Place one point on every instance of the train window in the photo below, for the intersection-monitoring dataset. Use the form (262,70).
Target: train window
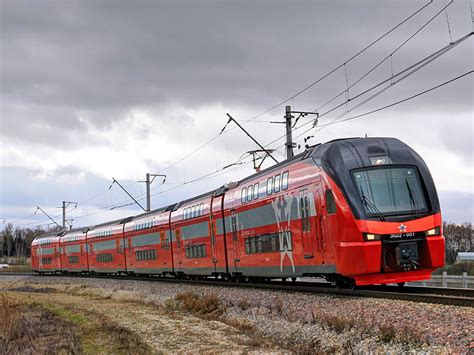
(284,180)
(243,195)
(267,243)
(202,208)
(269,186)
(259,244)
(277,183)
(304,212)
(193,211)
(255,191)
(330,203)
(249,193)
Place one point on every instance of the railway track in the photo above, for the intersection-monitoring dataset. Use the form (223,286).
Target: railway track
(448,296)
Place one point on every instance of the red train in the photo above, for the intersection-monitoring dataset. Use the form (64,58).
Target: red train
(355,211)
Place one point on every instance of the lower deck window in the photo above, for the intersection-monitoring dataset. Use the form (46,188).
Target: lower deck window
(145,255)
(46,261)
(265,243)
(73,259)
(104,258)
(196,251)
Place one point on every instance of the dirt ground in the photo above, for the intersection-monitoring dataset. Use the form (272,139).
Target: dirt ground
(91,325)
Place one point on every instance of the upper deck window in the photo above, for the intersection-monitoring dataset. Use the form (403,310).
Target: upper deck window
(284,180)
(390,191)
(269,186)
(255,191)
(243,195)
(277,183)
(249,193)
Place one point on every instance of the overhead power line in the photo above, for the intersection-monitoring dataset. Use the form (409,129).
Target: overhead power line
(389,56)
(390,105)
(332,71)
(403,73)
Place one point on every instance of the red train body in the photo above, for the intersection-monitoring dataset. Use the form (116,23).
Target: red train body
(354,211)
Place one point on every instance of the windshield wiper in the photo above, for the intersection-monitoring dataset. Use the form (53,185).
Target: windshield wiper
(413,204)
(367,203)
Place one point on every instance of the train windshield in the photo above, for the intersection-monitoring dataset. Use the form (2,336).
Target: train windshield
(390,191)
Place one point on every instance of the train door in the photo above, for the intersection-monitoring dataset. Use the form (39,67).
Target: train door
(216,203)
(320,218)
(57,255)
(306,231)
(179,261)
(123,248)
(235,240)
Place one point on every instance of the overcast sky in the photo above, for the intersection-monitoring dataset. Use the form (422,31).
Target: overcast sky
(92,90)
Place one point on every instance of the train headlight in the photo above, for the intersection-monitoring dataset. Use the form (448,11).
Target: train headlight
(371,237)
(432,232)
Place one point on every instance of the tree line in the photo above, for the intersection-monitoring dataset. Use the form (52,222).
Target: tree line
(16,241)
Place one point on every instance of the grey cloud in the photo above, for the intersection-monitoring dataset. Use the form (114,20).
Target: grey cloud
(93,55)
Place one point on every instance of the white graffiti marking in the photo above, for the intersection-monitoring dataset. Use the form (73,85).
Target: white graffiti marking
(282,207)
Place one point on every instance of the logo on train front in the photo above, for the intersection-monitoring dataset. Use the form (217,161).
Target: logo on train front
(402,227)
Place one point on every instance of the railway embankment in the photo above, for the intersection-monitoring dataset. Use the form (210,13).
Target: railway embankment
(168,317)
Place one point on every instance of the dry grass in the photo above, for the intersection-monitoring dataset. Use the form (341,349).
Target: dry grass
(17,268)
(205,306)
(126,342)
(405,335)
(332,322)
(388,333)
(29,328)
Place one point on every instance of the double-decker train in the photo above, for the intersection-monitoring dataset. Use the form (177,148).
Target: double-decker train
(354,211)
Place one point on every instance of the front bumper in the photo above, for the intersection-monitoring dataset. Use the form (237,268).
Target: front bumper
(363,262)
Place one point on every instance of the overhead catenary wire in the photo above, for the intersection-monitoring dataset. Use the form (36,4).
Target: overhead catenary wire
(390,105)
(309,86)
(389,56)
(403,74)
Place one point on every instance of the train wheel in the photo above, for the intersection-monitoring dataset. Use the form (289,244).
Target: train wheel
(401,284)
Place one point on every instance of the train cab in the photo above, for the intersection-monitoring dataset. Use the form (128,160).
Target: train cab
(389,220)
(45,253)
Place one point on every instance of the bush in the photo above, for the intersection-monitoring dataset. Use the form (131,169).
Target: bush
(457,268)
